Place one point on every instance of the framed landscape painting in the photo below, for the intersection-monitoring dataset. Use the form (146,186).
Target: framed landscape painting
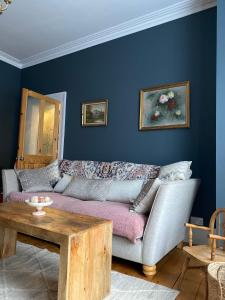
(165,106)
(95,113)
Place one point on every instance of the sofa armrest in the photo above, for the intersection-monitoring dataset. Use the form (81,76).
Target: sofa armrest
(170,211)
(10,183)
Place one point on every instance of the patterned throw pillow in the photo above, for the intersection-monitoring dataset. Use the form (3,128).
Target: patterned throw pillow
(34,180)
(79,168)
(115,170)
(39,180)
(88,189)
(62,184)
(89,168)
(132,171)
(104,170)
(52,171)
(144,201)
(72,168)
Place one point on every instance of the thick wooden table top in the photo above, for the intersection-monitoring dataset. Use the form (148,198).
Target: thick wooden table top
(55,226)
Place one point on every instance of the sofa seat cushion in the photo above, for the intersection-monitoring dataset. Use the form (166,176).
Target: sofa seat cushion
(125,223)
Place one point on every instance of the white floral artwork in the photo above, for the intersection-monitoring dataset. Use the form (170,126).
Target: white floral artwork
(165,107)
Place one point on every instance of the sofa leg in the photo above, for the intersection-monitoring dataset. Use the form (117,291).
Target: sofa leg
(149,270)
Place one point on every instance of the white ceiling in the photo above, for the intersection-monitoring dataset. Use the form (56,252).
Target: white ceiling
(32,29)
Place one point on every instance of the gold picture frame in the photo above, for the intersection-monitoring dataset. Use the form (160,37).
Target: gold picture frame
(95,113)
(165,106)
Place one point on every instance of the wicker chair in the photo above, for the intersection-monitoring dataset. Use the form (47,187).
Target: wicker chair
(216,281)
(206,254)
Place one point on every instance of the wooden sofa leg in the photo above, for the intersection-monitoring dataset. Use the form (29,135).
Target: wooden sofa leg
(149,270)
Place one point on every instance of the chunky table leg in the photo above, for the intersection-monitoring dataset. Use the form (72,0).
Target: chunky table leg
(85,265)
(7,242)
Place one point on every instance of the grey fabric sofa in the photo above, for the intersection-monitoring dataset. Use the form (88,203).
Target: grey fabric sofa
(164,229)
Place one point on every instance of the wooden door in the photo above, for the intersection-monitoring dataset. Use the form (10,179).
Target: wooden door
(39,130)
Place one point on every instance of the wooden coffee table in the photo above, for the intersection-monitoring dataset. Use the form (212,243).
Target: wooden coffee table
(85,247)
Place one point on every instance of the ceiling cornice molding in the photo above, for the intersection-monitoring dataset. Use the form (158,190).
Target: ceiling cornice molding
(169,13)
(10,60)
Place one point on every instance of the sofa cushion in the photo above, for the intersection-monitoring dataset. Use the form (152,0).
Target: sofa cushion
(132,171)
(116,170)
(144,201)
(104,170)
(62,184)
(125,191)
(72,168)
(51,171)
(88,189)
(79,168)
(125,223)
(34,181)
(176,171)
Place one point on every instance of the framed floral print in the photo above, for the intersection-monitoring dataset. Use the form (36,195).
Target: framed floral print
(95,113)
(165,106)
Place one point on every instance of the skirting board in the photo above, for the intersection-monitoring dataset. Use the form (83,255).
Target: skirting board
(200,237)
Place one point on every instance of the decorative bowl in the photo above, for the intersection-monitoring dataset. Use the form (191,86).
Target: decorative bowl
(39,206)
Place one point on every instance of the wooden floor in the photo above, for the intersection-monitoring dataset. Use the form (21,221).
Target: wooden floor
(193,286)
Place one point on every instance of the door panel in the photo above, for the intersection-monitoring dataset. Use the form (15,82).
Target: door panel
(32,126)
(48,129)
(39,130)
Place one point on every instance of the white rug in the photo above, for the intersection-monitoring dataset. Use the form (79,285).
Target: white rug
(33,274)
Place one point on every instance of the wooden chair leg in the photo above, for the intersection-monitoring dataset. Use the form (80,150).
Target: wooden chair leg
(149,270)
(183,271)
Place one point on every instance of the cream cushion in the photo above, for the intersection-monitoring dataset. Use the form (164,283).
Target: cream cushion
(177,171)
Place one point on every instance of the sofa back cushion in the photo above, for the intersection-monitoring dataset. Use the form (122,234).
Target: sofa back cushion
(106,189)
(177,171)
(104,170)
(34,181)
(41,179)
(132,171)
(88,189)
(78,168)
(115,170)
(125,191)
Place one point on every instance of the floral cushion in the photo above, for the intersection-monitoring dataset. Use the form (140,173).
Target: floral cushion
(78,168)
(118,170)
(132,171)
(72,168)
(105,170)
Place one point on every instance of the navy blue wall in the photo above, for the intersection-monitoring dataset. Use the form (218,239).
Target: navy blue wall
(181,50)
(220,106)
(10,80)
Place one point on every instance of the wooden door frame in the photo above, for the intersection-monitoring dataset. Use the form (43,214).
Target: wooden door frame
(61,97)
